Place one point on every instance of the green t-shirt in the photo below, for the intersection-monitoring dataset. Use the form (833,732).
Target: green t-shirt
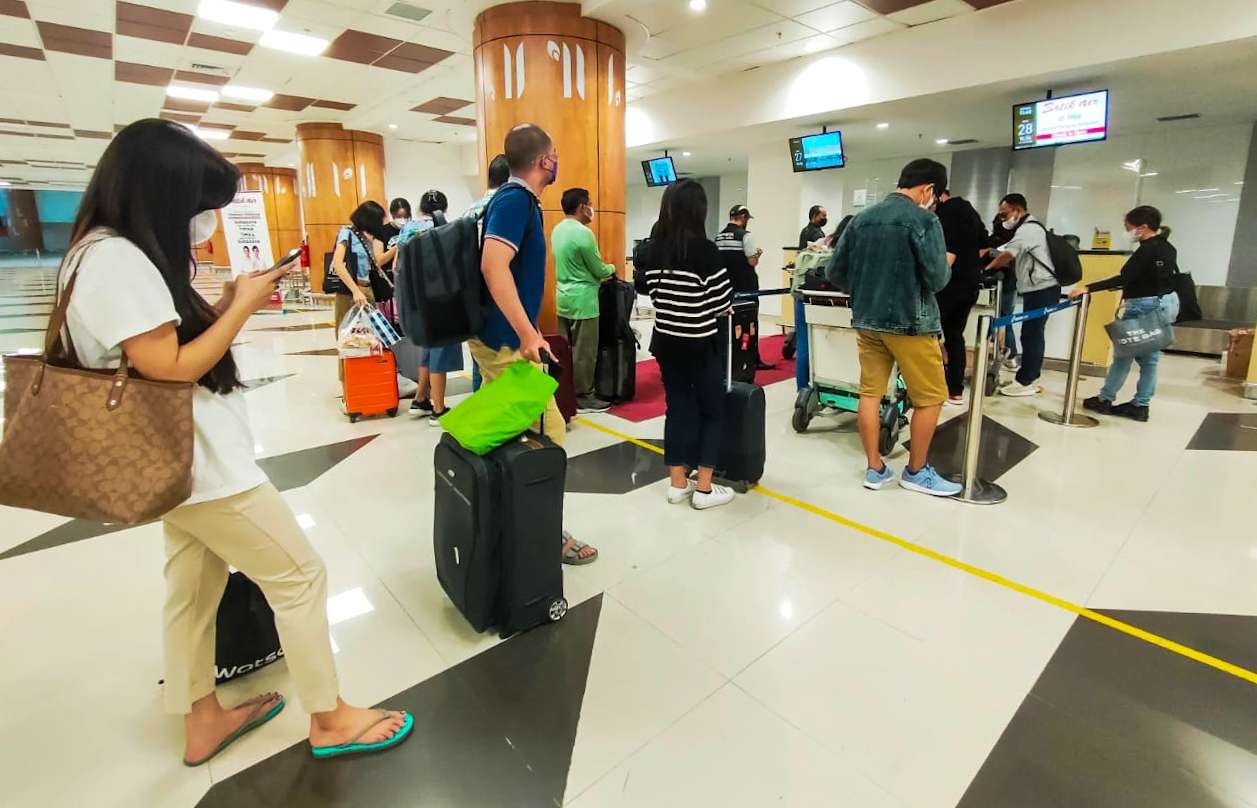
(578,269)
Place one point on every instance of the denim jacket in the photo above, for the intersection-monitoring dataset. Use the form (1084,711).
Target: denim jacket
(892,259)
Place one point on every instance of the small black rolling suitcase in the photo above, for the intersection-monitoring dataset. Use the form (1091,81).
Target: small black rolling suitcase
(742,449)
(497,530)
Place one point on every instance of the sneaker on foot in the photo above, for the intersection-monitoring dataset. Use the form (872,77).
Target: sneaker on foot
(418,407)
(406,387)
(1097,404)
(592,404)
(956,401)
(928,481)
(1019,390)
(1131,410)
(677,496)
(435,418)
(874,480)
(717,496)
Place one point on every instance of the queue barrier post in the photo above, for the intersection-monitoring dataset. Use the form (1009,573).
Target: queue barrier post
(1068,416)
(975,490)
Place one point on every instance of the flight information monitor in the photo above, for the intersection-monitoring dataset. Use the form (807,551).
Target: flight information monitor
(816,152)
(659,171)
(1082,118)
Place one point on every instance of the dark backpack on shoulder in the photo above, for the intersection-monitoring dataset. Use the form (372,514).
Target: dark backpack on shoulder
(1064,257)
(641,257)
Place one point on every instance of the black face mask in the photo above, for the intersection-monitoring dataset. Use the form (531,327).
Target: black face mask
(821,222)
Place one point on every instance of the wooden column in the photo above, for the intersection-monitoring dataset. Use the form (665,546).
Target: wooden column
(543,63)
(338,169)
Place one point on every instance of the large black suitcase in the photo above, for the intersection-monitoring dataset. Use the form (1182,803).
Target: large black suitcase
(497,530)
(742,445)
(616,299)
(615,377)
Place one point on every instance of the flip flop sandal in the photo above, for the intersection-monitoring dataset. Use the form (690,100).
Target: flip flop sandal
(355,748)
(572,555)
(254,721)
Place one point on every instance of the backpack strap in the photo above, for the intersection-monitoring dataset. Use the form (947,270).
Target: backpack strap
(1035,258)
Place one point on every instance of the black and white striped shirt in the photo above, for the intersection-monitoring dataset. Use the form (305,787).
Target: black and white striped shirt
(688,297)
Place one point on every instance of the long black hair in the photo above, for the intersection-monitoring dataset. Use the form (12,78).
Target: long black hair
(152,179)
(682,219)
(369,218)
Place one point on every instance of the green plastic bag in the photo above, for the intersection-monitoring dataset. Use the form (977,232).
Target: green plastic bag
(501,409)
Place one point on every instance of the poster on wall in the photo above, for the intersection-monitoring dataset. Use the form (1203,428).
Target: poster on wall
(245,231)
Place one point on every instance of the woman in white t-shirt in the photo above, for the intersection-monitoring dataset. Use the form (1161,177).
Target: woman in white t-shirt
(153,196)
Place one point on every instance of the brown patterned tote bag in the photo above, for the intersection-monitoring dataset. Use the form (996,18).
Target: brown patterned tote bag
(103,445)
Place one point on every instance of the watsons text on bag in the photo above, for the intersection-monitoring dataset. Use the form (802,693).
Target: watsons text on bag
(225,674)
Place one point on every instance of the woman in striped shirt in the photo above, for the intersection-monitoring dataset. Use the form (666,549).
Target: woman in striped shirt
(686,280)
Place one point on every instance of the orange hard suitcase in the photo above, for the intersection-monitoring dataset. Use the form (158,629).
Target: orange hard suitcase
(370,385)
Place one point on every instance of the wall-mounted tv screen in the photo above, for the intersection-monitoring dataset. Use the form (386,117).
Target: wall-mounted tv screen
(659,171)
(1082,118)
(816,152)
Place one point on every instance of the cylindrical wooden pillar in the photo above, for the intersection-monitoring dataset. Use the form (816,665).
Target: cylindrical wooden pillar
(337,170)
(24,225)
(543,63)
(279,193)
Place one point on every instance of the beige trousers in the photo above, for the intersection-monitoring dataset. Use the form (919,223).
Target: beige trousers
(492,363)
(256,533)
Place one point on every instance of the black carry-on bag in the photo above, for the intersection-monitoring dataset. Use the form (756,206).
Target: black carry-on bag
(497,530)
(245,638)
(742,449)
(615,375)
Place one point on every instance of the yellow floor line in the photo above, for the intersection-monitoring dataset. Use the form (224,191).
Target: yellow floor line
(986,575)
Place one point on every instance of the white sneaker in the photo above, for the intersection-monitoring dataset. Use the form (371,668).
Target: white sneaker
(406,388)
(719,495)
(677,496)
(1018,390)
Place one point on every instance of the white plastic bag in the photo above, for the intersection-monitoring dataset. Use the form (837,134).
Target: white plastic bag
(357,337)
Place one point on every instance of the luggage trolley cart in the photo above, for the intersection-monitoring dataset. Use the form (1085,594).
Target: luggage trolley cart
(834,370)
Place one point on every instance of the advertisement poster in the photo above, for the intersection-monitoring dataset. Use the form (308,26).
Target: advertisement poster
(246,234)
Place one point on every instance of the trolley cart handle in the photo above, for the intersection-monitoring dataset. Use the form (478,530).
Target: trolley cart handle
(823,293)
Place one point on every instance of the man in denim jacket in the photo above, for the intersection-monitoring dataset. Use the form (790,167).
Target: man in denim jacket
(891,260)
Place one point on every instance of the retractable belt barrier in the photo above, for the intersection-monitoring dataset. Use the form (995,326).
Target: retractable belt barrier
(1033,314)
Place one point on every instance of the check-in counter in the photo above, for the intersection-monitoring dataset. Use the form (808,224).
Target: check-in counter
(1097,350)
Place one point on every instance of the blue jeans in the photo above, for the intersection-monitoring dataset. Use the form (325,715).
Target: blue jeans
(1007,305)
(476,378)
(1120,368)
(695,393)
(1033,341)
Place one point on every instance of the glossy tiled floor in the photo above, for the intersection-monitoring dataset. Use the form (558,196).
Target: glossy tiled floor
(761,654)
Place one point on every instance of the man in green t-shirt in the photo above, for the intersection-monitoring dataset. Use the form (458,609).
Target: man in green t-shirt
(579,271)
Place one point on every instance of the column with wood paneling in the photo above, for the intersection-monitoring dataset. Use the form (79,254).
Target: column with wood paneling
(543,63)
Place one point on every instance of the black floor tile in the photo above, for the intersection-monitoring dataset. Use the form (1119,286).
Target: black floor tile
(616,469)
(1114,721)
(496,730)
(1226,432)
(1001,448)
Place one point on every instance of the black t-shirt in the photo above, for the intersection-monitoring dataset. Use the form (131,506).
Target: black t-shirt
(810,233)
(1148,273)
(390,233)
(965,234)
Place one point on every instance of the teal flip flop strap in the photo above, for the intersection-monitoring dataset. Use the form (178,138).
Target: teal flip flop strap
(353,746)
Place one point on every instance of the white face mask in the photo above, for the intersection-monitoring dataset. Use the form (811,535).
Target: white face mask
(927,203)
(1133,235)
(1011,222)
(203,226)
(400,221)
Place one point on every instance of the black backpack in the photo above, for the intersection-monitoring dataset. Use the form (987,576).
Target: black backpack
(1064,257)
(641,257)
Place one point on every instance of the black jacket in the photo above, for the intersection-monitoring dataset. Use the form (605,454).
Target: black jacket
(1150,272)
(965,234)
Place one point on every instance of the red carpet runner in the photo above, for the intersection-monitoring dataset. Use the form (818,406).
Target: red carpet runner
(649,401)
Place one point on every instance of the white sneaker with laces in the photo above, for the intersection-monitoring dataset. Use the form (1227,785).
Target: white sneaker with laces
(1019,390)
(678,496)
(719,495)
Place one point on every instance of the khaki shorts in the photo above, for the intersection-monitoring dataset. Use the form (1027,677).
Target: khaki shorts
(920,361)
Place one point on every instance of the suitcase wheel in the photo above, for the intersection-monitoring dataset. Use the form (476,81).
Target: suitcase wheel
(353,417)
(557,609)
(392,413)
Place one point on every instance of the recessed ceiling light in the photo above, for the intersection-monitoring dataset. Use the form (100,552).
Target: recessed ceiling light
(300,44)
(238,15)
(942,141)
(211,134)
(698,5)
(392,126)
(248,93)
(685,154)
(191,93)
(1151,174)
(883,125)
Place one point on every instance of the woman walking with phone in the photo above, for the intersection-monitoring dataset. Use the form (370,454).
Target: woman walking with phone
(152,196)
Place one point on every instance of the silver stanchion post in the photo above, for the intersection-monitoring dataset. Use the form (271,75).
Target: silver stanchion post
(977,491)
(1067,416)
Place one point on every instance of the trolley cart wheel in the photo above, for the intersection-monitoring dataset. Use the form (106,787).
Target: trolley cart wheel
(804,408)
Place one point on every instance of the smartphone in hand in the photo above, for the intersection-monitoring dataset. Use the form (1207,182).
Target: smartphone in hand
(292,255)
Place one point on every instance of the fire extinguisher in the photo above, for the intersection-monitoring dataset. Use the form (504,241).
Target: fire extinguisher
(305,254)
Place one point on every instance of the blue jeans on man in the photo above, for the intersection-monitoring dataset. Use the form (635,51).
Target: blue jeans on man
(1007,305)
(1118,371)
(1033,341)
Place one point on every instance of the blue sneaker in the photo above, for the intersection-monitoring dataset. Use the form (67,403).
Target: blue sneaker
(874,480)
(928,481)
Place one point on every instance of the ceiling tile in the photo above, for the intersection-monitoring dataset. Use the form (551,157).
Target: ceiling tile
(360,47)
(14,8)
(340,105)
(792,8)
(455,120)
(180,117)
(201,78)
(217,43)
(413,58)
(144,22)
(49,136)
(891,6)
(865,30)
(441,106)
(21,52)
(18,121)
(78,41)
(88,133)
(49,125)
(291,103)
(980,4)
(932,11)
(142,74)
(184,105)
(233,107)
(838,15)
(240,134)
(276,140)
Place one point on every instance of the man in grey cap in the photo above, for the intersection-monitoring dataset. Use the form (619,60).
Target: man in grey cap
(741,257)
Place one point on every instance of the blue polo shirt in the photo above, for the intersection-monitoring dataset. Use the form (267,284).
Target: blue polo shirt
(514,218)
